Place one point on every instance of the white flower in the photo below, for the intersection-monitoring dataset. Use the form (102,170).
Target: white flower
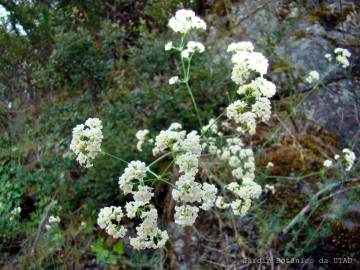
(158,240)
(244,62)
(149,225)
(186,20)
(173,80)
(220,203)
(343,61)
(336,157)
(168,46)
(136,170)
(262,108)
(269,165)
(175,126)
(240,73)
(194,46)
(191,144)
(148,235)
(15,211)
(328,57)
(131,209)
(234,161)
(258,62)
(343,52)
(86,141)
(249,190)
(270,188)
(188,163)
(349,159)
(186,53)
(234,110)
(167,138)
(233,187)
(212,126)
(53,219)
(313,76)
(342,56)
(240,208)
(186,214)
(265,87)
(109,219)
(143,195)
(240,46)
(141,136)
(248,119)
(209,192)
(187,190)
(328,163)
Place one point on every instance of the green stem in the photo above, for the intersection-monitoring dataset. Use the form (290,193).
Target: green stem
(115,157)
(160,158)
(194,103)
(167,182)
(209,127)
(167,168)
(122,160)
(186,76)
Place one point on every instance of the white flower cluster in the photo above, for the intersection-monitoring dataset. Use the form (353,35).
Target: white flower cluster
(210,145)
(186,20)
(328,57)
(134,172)
(174,80)
(349,159)
(211,126)
(187,151)
(313,76)
(328,163)
(168,46)
(141,136)
(16,211)
(52,221)
(183,22)
(109,219)
(342,56)
(246,61)
(270,188)
(86,141)
(242,162)
(148,234)
(269,165)
(191,48)
(255,95)
(168,138)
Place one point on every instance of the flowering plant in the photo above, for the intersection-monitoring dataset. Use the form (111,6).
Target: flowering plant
(224,140)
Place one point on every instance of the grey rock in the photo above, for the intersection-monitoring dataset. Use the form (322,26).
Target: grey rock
(336,107)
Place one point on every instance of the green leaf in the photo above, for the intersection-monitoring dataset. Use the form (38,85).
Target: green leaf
(98,248)
(111,260)
(119,247)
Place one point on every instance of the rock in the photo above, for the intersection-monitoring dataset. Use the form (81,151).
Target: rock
(336,107)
